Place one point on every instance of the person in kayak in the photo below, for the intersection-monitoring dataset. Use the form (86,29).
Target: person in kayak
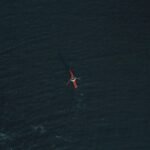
(73,79)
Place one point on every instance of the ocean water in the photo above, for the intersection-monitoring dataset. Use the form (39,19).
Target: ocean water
(106,43)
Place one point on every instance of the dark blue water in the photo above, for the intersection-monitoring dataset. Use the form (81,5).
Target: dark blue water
(107,44)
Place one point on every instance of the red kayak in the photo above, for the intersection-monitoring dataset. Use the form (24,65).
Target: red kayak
(73,79)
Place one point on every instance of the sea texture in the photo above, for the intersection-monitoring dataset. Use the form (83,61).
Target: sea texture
(107,43)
